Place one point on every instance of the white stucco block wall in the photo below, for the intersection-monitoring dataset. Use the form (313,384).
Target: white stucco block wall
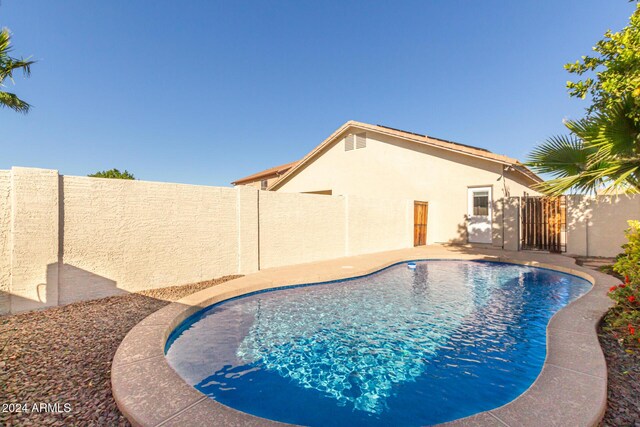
(65,238)
(135,235)
(511,223)
(35,232)
(247,217)
(299,228)
(5,241)
(595,225)
(375,225)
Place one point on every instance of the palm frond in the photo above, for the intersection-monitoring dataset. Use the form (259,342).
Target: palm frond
(615,133)
(8,64)
(7,67)
(580,183)
(560,156)
(11,101)
(602,152)
(5,41)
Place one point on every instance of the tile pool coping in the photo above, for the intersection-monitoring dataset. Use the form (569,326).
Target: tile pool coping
(571,389)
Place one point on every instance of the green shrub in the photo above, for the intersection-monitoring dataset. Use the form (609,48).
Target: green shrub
(113,173)
(628,263)
(624,319)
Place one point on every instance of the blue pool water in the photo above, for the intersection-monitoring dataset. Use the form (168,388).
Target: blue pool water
(399,347)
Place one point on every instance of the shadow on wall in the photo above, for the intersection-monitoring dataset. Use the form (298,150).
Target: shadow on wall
(77,284)
(64,284)
(507,223)
(578,216)
(41,295)
(462,237)
(470,232)
(595,225)
(504,230)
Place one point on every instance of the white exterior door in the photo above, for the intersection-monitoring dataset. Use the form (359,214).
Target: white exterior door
(479,215)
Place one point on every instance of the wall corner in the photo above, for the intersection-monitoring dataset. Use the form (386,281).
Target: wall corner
(35,234)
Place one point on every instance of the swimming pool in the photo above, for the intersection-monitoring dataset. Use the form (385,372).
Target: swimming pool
(400,346)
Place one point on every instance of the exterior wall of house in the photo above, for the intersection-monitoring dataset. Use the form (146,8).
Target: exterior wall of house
(394,168)
(67,238)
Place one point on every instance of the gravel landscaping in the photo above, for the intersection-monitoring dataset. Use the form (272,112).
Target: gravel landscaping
(623,366)
(623,369)
(63,355)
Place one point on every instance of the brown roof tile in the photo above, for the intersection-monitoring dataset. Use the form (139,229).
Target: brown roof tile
(272,172)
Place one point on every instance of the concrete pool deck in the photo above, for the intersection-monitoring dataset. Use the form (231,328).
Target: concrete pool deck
(570,390)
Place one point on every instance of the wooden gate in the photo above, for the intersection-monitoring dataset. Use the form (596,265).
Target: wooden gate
(544,223)
(420,215)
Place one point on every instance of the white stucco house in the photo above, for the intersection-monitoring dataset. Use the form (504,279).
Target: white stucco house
(463,186)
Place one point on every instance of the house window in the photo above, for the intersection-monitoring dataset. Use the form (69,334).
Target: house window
(481,203)
(355,141)
(263,184)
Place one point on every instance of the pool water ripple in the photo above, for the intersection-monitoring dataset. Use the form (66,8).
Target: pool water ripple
(401,347)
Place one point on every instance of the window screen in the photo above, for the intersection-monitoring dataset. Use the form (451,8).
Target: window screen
(263,184)
(481,203)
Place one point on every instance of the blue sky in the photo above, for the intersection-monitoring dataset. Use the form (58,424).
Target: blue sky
(205,92)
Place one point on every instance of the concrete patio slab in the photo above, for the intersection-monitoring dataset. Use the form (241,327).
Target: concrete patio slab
(559,397)
(578,352)
(570,390)
(146,342)
(204,413)
(483,419)
(150,392)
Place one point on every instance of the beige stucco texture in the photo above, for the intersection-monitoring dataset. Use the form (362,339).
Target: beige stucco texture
(298,228)
(5,241)
(136,235)
(595,224)
(67,238)
(390,167)
(34,238)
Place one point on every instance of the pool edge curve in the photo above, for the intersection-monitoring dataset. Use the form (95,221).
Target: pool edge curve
(571,388)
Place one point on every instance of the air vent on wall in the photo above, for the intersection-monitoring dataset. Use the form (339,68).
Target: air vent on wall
(361,140)
(348,143)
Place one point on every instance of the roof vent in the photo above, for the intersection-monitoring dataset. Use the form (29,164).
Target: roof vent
(349,142)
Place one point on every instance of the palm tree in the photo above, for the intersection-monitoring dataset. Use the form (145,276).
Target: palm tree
(602,152)
(7,66)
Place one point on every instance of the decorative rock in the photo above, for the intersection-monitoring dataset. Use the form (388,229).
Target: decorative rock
(63,355)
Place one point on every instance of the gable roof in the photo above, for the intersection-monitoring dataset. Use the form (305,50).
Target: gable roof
(274,171)
(408,136)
